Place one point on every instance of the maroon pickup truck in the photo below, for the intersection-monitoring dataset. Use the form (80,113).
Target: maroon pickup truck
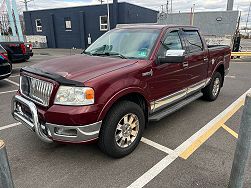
(130,76)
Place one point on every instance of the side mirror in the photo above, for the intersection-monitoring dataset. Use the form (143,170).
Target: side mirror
(173,56)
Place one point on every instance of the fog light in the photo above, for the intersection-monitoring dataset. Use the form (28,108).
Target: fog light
(66,132)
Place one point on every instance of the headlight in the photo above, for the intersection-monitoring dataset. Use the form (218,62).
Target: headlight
(74,96)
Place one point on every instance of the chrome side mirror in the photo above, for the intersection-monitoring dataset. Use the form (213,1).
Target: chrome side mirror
(173,56)
(175,53)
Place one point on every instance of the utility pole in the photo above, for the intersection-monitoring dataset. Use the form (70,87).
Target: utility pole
(193,9)
(162,8)
(230,5)
(26,4)
(171,6)
(101,1)
(167,3)
(108,16)
(248,16)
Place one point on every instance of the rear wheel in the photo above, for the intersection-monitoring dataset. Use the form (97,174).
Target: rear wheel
(122,129)
(212,91)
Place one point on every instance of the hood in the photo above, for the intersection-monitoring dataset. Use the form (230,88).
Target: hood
(82,67)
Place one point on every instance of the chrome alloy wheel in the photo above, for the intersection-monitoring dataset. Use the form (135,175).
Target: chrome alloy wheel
(216,87)
(127,130)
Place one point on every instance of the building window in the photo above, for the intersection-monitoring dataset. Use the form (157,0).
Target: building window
(103,23)
(38,25)
(68,26)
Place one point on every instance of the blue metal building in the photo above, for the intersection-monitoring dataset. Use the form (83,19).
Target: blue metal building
(70,27)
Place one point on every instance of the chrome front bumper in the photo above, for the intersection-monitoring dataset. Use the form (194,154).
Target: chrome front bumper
(48,132)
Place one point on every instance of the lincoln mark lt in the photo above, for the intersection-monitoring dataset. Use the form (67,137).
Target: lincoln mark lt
(130,76)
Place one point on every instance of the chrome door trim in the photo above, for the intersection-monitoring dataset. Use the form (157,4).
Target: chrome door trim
(165,101)
(170,99)
(196,87)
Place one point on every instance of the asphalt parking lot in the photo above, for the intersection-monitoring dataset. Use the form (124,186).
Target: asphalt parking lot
(190,148)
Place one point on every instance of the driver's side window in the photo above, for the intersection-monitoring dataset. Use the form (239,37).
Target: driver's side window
(171,42)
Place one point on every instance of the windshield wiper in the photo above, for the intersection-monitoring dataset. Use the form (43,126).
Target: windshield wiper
(110,54)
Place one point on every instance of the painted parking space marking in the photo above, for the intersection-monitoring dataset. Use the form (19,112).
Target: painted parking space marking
(194,142)
(14,76)
(232,132)
(202,139)
(186,149)
(207,131)
(230,76)
(157,146)
(12,82)
(5,92)
(153,172)
(9,126)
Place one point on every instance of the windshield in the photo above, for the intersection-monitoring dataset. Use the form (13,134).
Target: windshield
(125,43)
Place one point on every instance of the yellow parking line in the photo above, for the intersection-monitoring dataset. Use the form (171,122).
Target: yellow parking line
(241,53)
(232,132)
(204,137)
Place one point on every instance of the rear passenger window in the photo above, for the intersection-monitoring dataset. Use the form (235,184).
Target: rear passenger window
(194,41)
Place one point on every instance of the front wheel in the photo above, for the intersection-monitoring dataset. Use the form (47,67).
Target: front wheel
(212,91)
(122,129)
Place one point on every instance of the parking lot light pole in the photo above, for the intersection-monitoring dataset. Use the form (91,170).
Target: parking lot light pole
(243,147)
(5,174)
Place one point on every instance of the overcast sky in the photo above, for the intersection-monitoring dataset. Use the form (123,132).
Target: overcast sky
(178,5)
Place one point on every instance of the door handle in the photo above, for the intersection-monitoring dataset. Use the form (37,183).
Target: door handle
(205,59)
(185,64)
(150,73)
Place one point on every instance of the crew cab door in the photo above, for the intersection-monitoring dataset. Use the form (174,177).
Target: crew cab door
(167,83)
(196,60)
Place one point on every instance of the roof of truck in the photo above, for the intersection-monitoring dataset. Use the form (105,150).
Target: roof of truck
(151,26)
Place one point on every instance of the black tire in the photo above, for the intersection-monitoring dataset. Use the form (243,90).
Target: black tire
(107,141)
(208,91)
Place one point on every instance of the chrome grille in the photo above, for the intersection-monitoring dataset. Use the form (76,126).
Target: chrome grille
(37,90)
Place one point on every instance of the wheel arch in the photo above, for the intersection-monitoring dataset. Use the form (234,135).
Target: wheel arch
(221,69)
(135,95)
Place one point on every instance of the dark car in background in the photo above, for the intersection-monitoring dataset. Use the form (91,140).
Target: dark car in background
(5,65)
(17,51)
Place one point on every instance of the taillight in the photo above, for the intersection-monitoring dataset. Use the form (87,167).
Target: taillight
(3,58)
(30,47)
(23,48)
(5,55)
